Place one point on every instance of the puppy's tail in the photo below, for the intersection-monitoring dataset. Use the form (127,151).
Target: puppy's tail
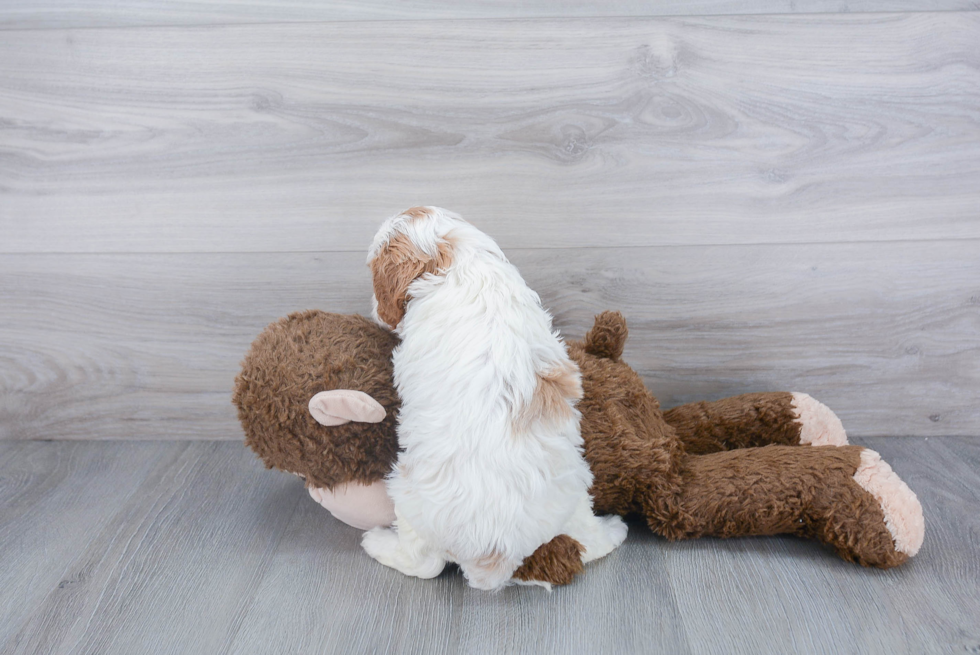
(607,336)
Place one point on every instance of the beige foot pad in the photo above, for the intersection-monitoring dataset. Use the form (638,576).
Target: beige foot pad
(903,513)
(819,425)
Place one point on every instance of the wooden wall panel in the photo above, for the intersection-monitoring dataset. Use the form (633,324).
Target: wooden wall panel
(775,201)
(147,346)
(560,133)
(105,13)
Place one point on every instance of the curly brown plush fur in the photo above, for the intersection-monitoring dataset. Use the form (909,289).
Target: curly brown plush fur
(556,562)
(726,468)
(746,421)
(317,351)
(806,491)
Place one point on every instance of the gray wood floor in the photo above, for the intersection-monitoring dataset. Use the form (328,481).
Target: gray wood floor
(193,547)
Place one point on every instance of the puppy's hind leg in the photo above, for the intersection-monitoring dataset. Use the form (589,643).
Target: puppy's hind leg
(600,535)
(490,572)
(402,549)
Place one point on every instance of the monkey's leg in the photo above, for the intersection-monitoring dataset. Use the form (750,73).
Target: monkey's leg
(755,419)
(844,496)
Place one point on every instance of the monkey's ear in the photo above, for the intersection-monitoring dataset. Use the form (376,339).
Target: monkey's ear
(341,406)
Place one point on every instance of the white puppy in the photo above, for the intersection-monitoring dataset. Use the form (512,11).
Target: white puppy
(491,464)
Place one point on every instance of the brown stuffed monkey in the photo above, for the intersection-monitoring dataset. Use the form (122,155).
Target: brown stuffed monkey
(316,398)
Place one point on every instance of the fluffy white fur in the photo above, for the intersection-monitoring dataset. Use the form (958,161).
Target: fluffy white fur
(483,479)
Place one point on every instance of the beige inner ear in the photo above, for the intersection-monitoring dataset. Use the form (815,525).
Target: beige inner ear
(340,406)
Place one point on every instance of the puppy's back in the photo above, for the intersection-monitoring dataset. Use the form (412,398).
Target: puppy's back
(491,466)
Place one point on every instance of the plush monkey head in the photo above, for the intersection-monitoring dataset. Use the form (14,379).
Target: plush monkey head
(315,398)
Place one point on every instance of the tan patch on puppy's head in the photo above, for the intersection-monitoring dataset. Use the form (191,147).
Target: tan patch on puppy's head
(416,213)
(551,395)
(396,266)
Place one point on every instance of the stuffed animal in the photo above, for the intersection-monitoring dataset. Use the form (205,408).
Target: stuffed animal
(315,398)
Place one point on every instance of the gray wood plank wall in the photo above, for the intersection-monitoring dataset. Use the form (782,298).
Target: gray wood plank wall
(115,13)
(775,201)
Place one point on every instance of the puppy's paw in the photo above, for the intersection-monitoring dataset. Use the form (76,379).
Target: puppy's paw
(382,545)
(609,533)
(410,558)
(615,528)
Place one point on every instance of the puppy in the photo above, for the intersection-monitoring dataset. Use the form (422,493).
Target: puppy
(491,465)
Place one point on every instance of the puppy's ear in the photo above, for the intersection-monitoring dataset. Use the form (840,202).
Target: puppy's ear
(395,267)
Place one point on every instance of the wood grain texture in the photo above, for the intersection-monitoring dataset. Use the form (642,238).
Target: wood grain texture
(51,511)
(147,346)
(174,566)
(69,14)
(814,603)
(212,553)
(546,133)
